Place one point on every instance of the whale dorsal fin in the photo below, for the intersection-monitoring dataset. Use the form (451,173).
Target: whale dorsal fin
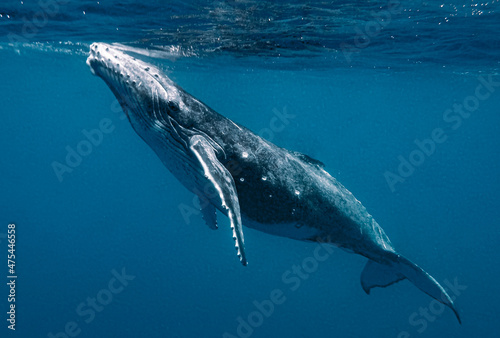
(222,181)
(308,159)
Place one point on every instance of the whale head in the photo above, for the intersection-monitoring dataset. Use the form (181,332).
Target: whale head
(147,96)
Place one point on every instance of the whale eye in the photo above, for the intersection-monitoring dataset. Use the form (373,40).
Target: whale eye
(172,106)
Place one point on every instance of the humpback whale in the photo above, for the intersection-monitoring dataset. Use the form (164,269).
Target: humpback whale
(248,179)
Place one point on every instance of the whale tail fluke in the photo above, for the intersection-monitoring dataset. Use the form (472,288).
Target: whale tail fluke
(398,268)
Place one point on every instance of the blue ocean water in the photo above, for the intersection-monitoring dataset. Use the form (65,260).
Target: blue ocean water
(399,99)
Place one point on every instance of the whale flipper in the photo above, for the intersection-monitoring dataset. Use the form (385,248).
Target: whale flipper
(223,183)
(397,268)
(208,212)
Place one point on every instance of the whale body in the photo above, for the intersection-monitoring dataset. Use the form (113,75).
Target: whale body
(250,180)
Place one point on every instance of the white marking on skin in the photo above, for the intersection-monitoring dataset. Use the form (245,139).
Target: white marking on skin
(242,179)
(264,178)
(380,234)
(244,154)
(235,125)
(297,192)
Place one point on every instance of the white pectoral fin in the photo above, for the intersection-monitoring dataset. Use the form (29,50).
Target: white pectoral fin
(209,212)
(223,182)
